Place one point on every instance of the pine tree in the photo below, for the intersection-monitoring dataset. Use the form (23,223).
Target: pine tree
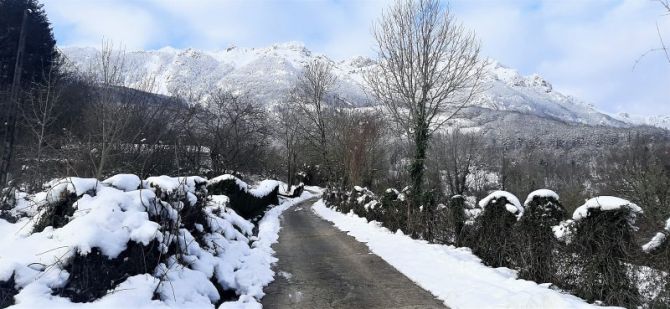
(26,44)
(40,46)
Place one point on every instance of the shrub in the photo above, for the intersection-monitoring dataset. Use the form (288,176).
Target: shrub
(457,210)
(243,200)
(602,242)
(94,274)
(494,236)
(658,254)
(7,292)
(542,210)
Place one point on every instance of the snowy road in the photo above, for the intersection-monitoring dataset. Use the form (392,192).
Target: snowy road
(321,267)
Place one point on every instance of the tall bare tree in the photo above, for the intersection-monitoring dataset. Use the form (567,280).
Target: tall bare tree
(117,117)
(428,69)
(236,131)
(39,114)
(309,95)
(288,134)
(456,155)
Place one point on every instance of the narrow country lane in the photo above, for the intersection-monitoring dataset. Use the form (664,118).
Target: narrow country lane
(321,267)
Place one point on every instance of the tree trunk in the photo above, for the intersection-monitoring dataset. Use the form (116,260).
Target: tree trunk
(417,173)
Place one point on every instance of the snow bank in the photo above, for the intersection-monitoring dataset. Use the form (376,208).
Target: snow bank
(198,242)
(257,272)
(454,275)
(513,205)
(604,203)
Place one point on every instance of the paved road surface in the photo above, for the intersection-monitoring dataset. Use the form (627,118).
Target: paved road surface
(321,267)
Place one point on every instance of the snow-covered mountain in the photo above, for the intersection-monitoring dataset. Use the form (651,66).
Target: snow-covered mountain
(661,121)
(268,73)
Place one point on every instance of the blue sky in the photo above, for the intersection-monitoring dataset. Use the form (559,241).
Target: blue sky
(586,48)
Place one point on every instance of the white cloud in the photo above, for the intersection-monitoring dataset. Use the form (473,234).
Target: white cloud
(88,22)
(585,48)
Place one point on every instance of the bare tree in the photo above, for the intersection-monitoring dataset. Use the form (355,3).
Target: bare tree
(456,155)
(235,129)
(39,113)
(428,69)
(360,147)
(288,134)
(663,48)
(309,95)
(117,117)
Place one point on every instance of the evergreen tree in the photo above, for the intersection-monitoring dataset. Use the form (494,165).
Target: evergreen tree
(40,46)
(26,44)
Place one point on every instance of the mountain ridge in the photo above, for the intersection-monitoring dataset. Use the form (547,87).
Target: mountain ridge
(268,73)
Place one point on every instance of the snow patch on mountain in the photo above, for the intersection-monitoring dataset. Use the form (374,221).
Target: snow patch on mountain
(267,75)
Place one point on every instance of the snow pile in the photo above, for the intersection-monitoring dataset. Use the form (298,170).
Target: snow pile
(124,182)
(468,284)
(513,205)
(605,203)
(162,242)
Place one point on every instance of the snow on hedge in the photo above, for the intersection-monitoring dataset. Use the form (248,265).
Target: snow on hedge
(655,242)
(111,215)
(125,182)
(260,190)
(454,275)
(513,205)
(658,240)
(604,203)
(541,193)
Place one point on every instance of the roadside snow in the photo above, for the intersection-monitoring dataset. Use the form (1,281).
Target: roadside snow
(454,275)
(111,214)
(256,273)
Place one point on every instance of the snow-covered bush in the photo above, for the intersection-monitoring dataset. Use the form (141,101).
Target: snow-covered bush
(360,201)
(294,191)
(542,210)
(131,243)
(601,239)
(56,205)
(657,251)
(394,209)
(248,202)
(494,237)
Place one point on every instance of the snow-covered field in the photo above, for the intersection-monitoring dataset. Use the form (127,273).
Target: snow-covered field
(454,275)
(110,219)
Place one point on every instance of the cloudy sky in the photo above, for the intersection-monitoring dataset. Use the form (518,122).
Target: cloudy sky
(586,48)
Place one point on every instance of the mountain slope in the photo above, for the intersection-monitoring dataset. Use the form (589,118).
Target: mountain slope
(267,74)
